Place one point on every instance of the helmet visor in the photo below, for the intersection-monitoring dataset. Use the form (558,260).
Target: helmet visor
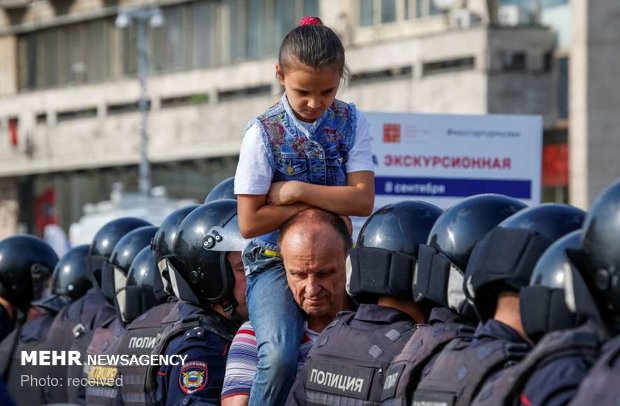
(120,283)
(164,272)
(227,238)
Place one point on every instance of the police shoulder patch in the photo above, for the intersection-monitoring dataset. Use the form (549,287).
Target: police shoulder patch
(193,377)
(198,332)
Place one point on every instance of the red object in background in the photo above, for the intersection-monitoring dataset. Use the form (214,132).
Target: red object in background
(555,165)
(391,132)
(44,210)
(13,131)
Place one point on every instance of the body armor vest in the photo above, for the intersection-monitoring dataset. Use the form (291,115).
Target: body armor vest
(405,372)
(600,386)
(101,388)
(584,341)
(347,364)
(458,372)
(84,334)
(70,324)
(138,340)
(36,394)
(205,318)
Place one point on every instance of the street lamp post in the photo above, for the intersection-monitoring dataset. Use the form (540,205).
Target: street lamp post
(154,17)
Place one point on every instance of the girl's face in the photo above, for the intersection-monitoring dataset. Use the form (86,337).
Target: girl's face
(309,91)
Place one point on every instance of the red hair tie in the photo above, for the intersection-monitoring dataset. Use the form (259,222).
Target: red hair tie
(309,20)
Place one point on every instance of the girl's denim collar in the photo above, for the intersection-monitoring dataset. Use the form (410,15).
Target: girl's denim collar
(304,130)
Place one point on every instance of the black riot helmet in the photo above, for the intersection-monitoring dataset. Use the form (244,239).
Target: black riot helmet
(201,274)
(105,240)
(543,305)
(382,262)
(550,220)
(442,261)
(504,260)
(164,241)
(600,246)
(223,190)
(26,263)
(122,256)
(459,228)
(72,276)
(142,281)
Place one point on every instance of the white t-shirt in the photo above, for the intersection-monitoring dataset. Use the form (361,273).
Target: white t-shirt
(254,173)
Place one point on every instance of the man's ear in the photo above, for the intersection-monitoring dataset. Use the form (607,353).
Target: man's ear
(348,223)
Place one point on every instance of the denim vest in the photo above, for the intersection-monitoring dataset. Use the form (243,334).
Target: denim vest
(315,155)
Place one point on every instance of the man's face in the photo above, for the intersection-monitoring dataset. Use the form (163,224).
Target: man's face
(234,259)
(316,274)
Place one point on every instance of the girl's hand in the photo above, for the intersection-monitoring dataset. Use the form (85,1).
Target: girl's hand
(284,193)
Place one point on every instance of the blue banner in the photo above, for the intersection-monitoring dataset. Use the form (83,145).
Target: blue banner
(451,187)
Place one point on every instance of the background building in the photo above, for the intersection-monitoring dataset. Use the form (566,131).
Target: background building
(69,119)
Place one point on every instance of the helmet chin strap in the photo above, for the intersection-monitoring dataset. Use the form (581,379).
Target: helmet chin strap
(229,305)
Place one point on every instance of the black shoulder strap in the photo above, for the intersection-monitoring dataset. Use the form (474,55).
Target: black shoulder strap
(218,325)
(552,347)
(79,328)
(510,353)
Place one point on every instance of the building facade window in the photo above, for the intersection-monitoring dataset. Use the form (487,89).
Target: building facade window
(554,3)
(377,12)
(196,35)
(562,89)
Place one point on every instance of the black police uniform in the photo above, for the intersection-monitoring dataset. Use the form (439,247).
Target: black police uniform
(427,341)
(204,336)
(550,373)
(139,339)
(456,375)
(101,388)
(7,324)
(5,399)
(76,322)
(600,386)
(31,338)
(348,361)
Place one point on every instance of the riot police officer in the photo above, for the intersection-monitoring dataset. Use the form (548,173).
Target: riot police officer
(26,263)
(600,270)
(163,243)
(380,277)
(73,327)
(70,280)
(441,264)
(500,264)
(204,269)
(149,280)
(223,190)
(104,341)
(565,347)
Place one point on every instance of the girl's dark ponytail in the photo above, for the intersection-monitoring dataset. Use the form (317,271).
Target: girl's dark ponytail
(312,44)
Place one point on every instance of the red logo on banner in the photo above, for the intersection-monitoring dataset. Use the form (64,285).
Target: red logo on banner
(391,132)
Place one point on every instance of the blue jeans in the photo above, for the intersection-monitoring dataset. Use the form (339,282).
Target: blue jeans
(278,324)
